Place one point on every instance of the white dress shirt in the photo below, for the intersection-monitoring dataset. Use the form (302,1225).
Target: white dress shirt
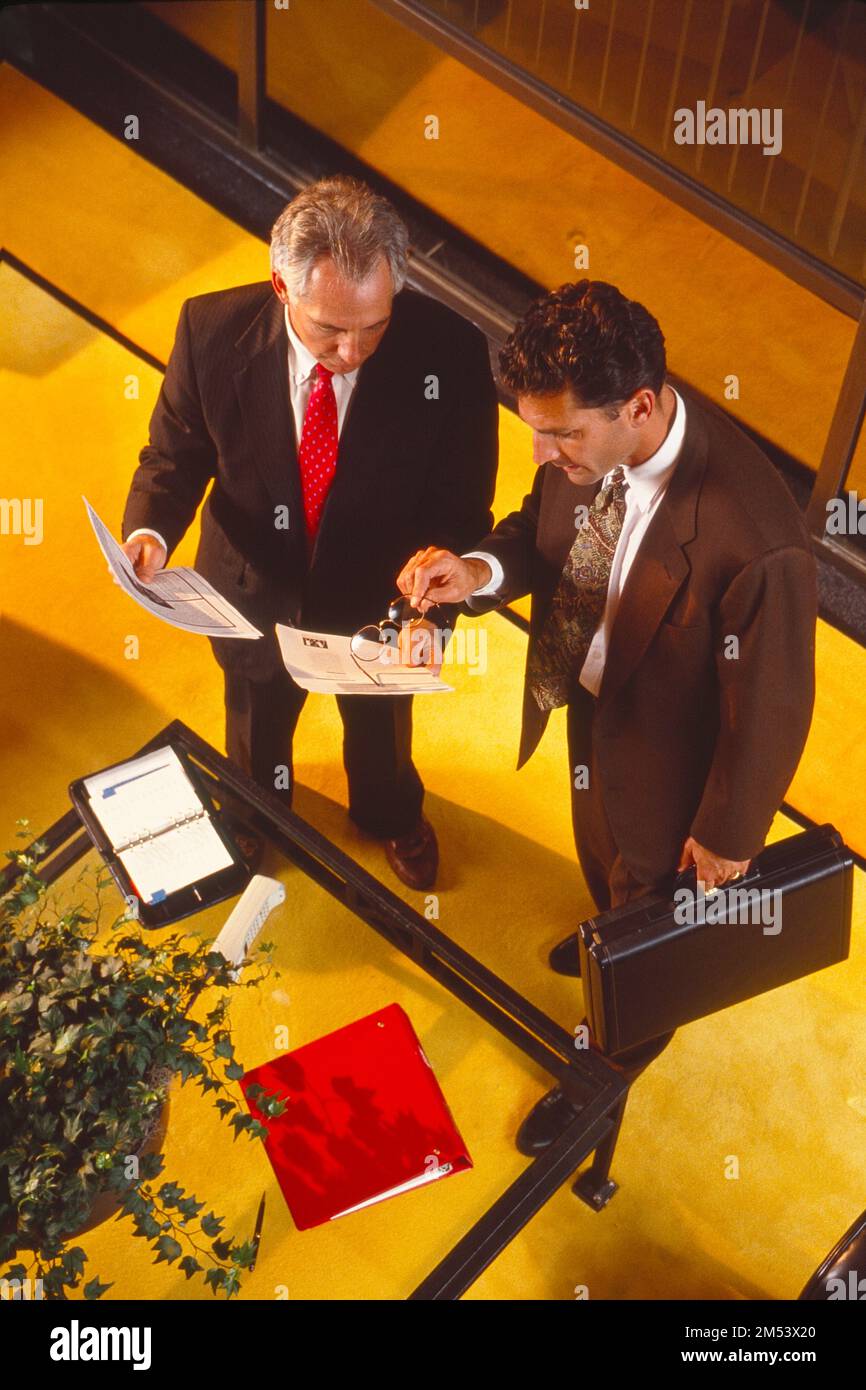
(646,486)
(302,378)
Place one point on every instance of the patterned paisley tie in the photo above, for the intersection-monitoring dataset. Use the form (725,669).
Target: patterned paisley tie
(579,600)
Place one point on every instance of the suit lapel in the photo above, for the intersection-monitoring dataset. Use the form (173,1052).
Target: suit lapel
(658,570)
(660,566)
(262,384)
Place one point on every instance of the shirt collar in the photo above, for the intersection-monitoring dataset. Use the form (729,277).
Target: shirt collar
(645,480)
(302,363)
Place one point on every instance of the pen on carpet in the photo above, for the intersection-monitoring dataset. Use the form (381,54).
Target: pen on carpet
(257,1233)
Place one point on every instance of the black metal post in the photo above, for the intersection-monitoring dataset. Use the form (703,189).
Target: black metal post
(251,73)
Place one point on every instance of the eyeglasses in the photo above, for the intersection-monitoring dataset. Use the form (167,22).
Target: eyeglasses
(368,641)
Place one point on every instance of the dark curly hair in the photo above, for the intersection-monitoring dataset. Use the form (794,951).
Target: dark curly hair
(589,337)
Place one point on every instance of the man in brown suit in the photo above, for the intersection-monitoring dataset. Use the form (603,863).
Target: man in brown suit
(673,611)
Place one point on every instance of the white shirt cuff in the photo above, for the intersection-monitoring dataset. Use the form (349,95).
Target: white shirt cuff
(148,531)
(497,578)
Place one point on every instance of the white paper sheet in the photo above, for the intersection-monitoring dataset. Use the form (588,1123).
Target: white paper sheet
(323,662)
(178,596)
(142,797)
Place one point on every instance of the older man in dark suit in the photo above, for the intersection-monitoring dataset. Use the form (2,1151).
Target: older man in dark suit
(342,420)
(673,611)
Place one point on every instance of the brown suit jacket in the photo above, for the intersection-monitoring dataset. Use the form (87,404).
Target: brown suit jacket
(688,741)
(415,466)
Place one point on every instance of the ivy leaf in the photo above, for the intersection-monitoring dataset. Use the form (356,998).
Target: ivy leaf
(211,1225)
(189,1207)
(148,1225)
(74,1261)
(241,1122)
(94,1289)
(189,1065)
(151,1165)
(72,1127)
(66,1038)
(168,1248)
(190,1265)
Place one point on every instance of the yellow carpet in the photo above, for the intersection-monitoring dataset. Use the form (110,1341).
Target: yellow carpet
(785,1074)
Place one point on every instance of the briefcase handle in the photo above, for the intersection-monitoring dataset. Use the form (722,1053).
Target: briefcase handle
(763,862)
(688,879)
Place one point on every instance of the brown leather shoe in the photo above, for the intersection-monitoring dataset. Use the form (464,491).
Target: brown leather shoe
(415,857)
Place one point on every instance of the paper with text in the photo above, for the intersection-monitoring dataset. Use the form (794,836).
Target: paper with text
(323,662)
(178,596)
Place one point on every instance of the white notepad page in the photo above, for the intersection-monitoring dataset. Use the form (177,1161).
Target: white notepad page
(136,803)
(174,859)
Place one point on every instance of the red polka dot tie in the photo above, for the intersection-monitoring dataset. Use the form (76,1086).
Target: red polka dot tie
(317,455)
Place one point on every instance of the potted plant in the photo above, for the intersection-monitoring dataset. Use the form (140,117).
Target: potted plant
(91,1037)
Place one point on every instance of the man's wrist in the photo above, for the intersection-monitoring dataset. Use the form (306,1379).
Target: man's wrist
(493,574)
(146,531)
(481,571)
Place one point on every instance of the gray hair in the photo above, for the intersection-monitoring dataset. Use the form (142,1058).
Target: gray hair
(342,218)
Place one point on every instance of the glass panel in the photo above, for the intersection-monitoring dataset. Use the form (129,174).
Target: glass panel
(212,27)
(669,75)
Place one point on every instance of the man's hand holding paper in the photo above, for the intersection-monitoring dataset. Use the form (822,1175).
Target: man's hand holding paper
(147,555)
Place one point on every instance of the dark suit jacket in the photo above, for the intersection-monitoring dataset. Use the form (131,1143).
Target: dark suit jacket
(687,741)
(411,471)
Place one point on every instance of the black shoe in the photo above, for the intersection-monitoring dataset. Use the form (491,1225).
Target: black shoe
(565,958)
(545,1122)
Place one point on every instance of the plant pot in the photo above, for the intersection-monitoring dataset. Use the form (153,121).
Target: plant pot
(107,1204)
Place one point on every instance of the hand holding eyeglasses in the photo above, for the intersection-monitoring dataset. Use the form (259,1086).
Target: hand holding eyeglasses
(414,641)
(434,576)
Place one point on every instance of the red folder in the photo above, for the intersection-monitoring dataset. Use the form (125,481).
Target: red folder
(364,1119)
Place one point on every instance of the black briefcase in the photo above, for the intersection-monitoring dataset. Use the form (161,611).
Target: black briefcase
(667,959)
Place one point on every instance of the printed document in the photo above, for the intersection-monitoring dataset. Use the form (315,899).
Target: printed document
(179,596)
(334,665)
